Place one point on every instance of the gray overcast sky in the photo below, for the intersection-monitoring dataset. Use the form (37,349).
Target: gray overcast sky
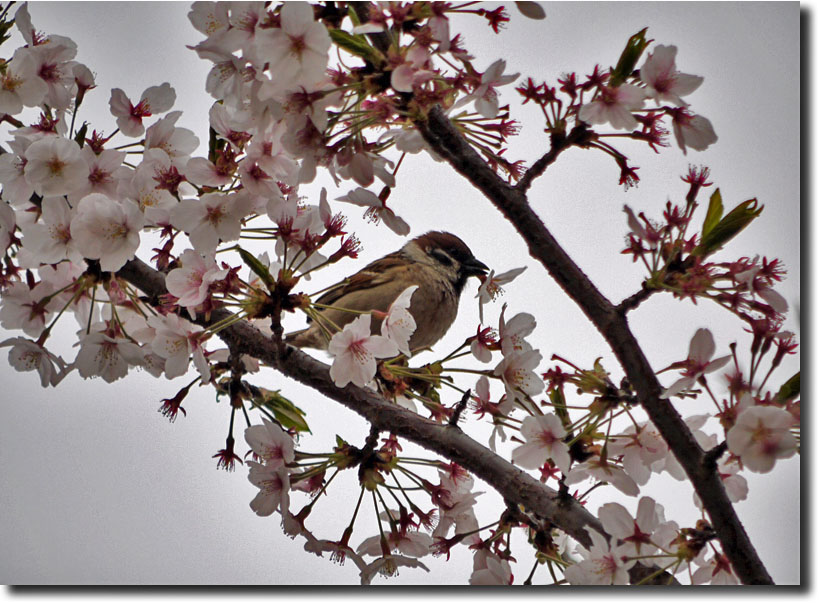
(97,487)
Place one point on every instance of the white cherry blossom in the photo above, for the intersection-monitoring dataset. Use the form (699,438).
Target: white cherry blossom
(191,281)
(399,325)
(614,105)
(55,166)
(271,443)
(26,355)
(355,350)
(108,357)
(544,439)
(664,82)
(50,239)
(156,99)
(761,436)
(107,230)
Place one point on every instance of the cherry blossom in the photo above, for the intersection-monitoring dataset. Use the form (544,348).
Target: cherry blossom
(601,564)
(716,572)
(699,363)
(7,224)
(692,131)
(178,143)
(494,571)
(599,468)
(354,350)
(517,370)
(26,355)
(633,533)
(55,166)
(761,436)
(641,446)
(108,357)
(274,486)
(55,68)
(664,82)
(192,280)
(50,239)
(26,308)
(544,440)
(491,287)
(378,209)
(399,325)
(175,340)
(19,84)
(270,443)
(16,189)
(760,287)
(614,105)
(156,99)
(486,95)
(388,566)
(297,53)
(210,218)
(107,230)
(513,332)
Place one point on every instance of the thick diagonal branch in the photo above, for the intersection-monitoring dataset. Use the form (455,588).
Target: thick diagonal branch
(447,440)
(446,141)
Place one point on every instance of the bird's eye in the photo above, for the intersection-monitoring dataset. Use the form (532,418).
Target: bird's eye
(441,256)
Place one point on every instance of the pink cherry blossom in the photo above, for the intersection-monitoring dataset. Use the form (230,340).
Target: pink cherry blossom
(699,363)
(108,357)
(399,325)
(178,143)
(494,570)
(355,350)
(544,440)
(491,287)
(517,370)
(176,340)
(601,564)
(761,436)
(49,240)
(692,131)
(513,332)
(19,84)
(486,95)
(665,83)
(55,166)
(716,572)
(270,443)
(22,307)
(107,230)
(760,287)
(156,99)
(274,486)
(614,105)
(641,446)
(601,469)
(634,533)
(377,211)
(191,281)
(16,189)
(26,355)
(7,225)
(209,219)
(297,53)
(54,66)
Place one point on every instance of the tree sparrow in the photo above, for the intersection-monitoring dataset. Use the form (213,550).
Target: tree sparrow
(438,262)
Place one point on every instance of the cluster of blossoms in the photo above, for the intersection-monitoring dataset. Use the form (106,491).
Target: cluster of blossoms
(75,210)
(618,97)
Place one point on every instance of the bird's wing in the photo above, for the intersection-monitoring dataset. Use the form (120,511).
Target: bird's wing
(377,273)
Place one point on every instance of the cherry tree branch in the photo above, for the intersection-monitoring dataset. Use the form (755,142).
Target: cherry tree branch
(514,485)
(445,140)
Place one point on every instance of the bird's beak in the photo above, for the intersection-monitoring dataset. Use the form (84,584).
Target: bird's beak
(473,267)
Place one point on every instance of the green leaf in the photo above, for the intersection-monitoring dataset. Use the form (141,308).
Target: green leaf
(353,15)
(714,214)
(286,413)
(79,137)
(559,404)
(257,267)
(790,389)
(728,227)
(628,59)
(355,44)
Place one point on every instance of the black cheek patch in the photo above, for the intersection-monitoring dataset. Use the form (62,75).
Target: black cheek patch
(442,257)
